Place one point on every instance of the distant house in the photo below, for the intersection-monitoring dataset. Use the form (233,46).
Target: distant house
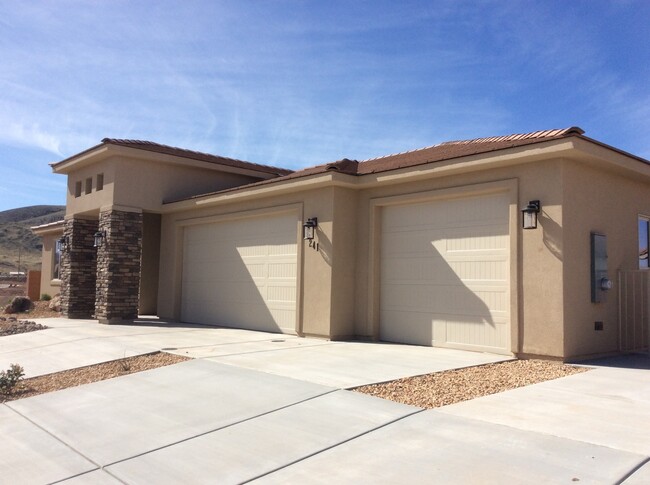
(427,247)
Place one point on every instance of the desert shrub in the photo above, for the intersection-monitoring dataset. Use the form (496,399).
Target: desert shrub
(10,377)
(45,297)
(19,304)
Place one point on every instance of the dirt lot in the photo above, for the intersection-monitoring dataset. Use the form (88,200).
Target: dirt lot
(8,292)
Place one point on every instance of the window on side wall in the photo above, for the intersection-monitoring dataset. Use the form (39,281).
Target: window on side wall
(77,189)
(56,263)
(644,231)
(89,185)
(100,181)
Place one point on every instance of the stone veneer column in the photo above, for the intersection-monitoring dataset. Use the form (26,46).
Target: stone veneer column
(118,266)
(78,269)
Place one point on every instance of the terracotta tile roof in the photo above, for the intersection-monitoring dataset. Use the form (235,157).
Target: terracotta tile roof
(436,153)
(204,157)
(461,148)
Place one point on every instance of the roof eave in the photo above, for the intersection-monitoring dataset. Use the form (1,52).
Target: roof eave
(272,188)
(52,227)
(104,151)
(576,147)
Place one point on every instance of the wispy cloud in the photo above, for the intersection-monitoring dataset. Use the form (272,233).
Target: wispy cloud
(299,83)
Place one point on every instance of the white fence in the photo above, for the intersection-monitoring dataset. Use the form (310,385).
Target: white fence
(634,310)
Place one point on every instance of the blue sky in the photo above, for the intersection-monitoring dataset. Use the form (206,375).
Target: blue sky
(297,83)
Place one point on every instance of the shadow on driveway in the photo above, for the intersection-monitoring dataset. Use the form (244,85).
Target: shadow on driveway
(628,361)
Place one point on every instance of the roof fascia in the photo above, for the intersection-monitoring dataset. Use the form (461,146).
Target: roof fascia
(611,158)
(51,228)
(106,150)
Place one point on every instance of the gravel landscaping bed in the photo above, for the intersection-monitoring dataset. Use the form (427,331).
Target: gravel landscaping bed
(92,373)
(41,310)
(449,387)
(13,326)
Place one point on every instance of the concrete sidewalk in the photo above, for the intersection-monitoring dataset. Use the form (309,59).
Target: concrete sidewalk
(271,408)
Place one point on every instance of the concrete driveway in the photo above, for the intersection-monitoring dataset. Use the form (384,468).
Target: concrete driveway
(231,416)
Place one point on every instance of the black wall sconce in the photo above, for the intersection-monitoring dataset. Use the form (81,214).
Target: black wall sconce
(529,214)
(308,230)
(63,244)
(99,238)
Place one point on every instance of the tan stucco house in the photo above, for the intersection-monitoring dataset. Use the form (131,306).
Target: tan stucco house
(427,247)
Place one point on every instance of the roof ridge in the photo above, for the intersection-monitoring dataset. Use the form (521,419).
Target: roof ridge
(146,143)
(522,136)
(553,133)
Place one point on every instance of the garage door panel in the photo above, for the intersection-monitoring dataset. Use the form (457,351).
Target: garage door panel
(441,299)
(241,273)
(414,327)
(284,294)
(460,333)
(284,270)
(425,243)
(413,270)
(445,265)
(449,212)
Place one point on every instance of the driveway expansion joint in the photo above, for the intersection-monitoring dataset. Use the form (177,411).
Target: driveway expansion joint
(250,418)
(633,471)
(359,435)
(46,431)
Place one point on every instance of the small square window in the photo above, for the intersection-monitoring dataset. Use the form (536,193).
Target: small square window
(89,185)
(100,181)
(77,189)
(644,232)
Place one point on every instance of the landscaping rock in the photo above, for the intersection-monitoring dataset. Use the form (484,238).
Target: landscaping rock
(55,303)
(19,304)
(13,327)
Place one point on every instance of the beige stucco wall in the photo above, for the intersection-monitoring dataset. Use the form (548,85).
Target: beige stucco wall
(602,201)
(90,203)
(150,261)
(344,255)
(147,184)
(144,184)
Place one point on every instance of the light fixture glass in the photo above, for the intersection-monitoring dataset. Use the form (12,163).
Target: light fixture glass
(99,238)
(308,228)
(529,214)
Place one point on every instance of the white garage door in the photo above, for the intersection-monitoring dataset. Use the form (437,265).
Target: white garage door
(241,274)
(445,274)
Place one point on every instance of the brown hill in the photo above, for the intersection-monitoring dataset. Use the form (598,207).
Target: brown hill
(18,245)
